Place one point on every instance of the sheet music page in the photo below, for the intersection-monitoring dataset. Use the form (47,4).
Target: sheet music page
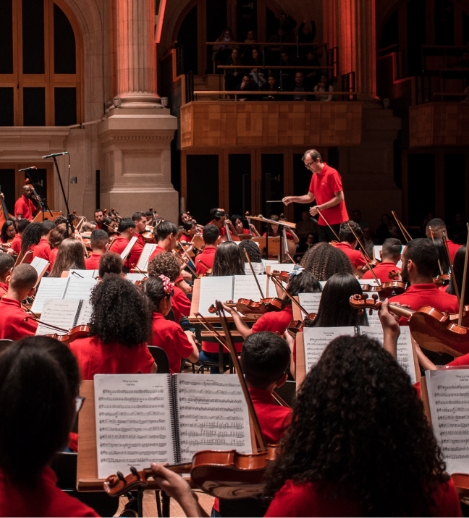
(310,301)
(134,277)
(316,339)
(79,289)
(49,288)
(214,288)
(259,268)
(283,267)
(128,248)
(133,421)
(145,255)
(84,317)
(448,395)
(245,287)
(405,353)
(213,414)
(83,274)
(370,282)
(59,313)
(377,252)
(40,265)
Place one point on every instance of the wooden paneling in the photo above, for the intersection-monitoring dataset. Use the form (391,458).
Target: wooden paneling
(256,123)
(439,124)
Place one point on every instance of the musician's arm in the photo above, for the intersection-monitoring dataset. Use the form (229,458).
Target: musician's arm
(306,198)
(425,362)
(231,227)
(241,326)
(391,329)
(338,198)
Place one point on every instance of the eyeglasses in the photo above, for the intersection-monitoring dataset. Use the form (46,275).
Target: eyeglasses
(79,400)
(308,166)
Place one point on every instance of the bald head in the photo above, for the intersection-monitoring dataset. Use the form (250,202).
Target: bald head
(27,191)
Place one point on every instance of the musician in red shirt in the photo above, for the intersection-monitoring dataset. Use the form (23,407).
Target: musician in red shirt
(419,264)
(6,268)
(43,248)
(140,225)
(99,242)
(98,218)
(348,243)
(436,227)
(14,322)
(204,261)
(126,231)
(24,207)
(326,188)
(166,234)
(220,220)
(386,270)
(21,227)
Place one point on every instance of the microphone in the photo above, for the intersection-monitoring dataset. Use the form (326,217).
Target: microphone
(28,169)
(55,154)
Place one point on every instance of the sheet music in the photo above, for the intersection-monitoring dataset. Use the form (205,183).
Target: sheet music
(259,268)
(310,301)
(128,248)
(212,289)
(405,352)
(134,277)
(49,288)
(448,395)
(283,267)
(84,317)
(148,249)
(213,414)
(59,313)
(245,287)
(377,249)
(83,274)
(40,265)
(316,339)
(133,421)
(370,282)
(79,289)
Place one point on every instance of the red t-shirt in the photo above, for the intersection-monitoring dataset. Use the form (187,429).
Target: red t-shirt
(120,244)
(307,499)
(158,250)
(42,249)
(180,304)
(420,295)
(274,419)
(274,321)
(452,248)
(96,357)
(25,207)
(324,185)
(16,243)
(169,336)
(355,256)
(92,263)
(15,323)
(382,271)
(186,239)
(207,256)
(43,499)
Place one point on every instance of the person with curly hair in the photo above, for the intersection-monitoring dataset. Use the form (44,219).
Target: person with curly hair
(166,334)
(31,237)
(110,263)
(71,254)
(119,331)
(324,260)
(278,321)
(39,384)
(167,264)
(359,443)
(254,254)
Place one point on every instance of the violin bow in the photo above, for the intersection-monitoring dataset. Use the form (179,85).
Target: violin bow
(327,223)
(355,235)
(178,244)
(253,273)
(279,284)
(455,284)
(464,278)
(242,381)
(403,230)
(433,241)
(208,326)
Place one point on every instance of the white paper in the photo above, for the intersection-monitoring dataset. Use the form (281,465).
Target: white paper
(316,339)
(134,277)
(148,249)
(283,267)
(212,289)
(213,414)
(59,313)
(245,287)
(405,353)
(40,265)
(79,289)
(310,302)
(83,274)
(133,421)
(377,249)
(370,282)
(128,248)
(84,318)
(49,288)
(448,394)
(373,319)
(259,268)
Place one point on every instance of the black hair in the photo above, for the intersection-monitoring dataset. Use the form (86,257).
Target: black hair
(210,234)
(6,264)
(265,357)
(99,238)
(357,421)
(164,264)
(436,224)
(188,225)
(165,229)
(442,257)
(125,224)
(234,217)
(335,309)
(345,234)
(228,260)
(59,220)
(314,154)
(23,277)
(98,210)
(22,224)
(423,254)
(8,223)
(120,312)
(110,263)
(31,236)
(137,216)
(39,380)
(153,288)
(217,214)
(303,282)
(252,249)
(392,248)
(324,260)
(458,267)
(47,226)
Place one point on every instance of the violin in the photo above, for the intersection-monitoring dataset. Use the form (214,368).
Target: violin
(431,328)
(295,326)
(250,306)
(74,333)
(115,214)
(148,235)
(442,279)
(281,276)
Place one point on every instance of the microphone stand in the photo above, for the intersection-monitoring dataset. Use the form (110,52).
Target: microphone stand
(69,215)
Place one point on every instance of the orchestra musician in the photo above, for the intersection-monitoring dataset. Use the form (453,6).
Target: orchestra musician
(71,254)
(140,225)
(110,263)
(126,230)
(204,261)
(99,218)
(326,188)
(387,270)
(8,231)
(220,220)
(31,237)
(43,248)
(21,227)
(24,207)
(436,227)
(348,243)
(99,242)
(323,261)
(6,267)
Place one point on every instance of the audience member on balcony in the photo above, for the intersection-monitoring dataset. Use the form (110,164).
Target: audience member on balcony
(248,85)
(222,51)
(323,86)
(286,74)
(233,75)
(276,50)
(300,87)
(312,77)
(256,74)
(250,44)
(307,32)
(270,88)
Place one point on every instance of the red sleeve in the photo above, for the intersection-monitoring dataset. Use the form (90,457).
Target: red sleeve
(144,360)
(182,303)
(359,261)
(181,343)
(461,361)
(28,327)
(335,183)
